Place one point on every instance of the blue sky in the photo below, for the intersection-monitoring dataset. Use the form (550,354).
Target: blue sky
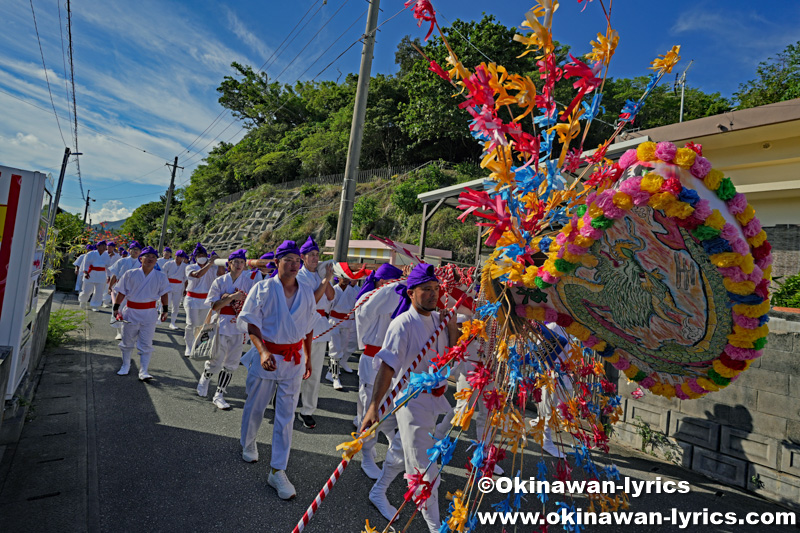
(146,72)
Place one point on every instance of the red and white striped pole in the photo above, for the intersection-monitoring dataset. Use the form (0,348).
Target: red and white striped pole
(385,406)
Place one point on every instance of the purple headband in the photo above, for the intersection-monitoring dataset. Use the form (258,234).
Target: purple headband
(198,249)
(286,248)
(148,250)
(124,253)
(422,273)
(90,247)
(309,246)
(385,271)
(241,253)
(134,244)
(181,253)
(168,249)
(268,255)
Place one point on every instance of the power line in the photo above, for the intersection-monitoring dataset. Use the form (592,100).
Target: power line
(259,70)
(64,61)
(298,78)
(98,132)
(46,77)
(136,179)
(74,102)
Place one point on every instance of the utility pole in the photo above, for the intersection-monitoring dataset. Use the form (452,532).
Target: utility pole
(166,206)
(86,210)
(356,135)
(54,208)
(682,82)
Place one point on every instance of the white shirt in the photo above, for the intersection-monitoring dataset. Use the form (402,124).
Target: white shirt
(175,271)
(123,265)
(94,260)
(141,289)
(343,302)
(161,261)
(79,261)
(112,260)
(226,285)
(406,336)
(312,281)
(266,308)
(199,286)
(374,316)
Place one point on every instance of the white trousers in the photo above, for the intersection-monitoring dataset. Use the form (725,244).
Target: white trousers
(194,321)
(340,340)
(479,417)
(309,389)
(139,336)
(229,352)
(78,282)
(92,290)
(175,297)
(416,422)
(259,393)
(388,428)
(106,294)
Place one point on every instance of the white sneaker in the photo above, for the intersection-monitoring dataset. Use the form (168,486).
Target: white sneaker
(281,483)
(329,376)
(144,376)
(379,500)
(250,453)
(95,309)
(337,385)
(550,447)
(202,386)
(187,353)
(123,371)
(369,467)
(118,336)
(106,306)
(220,402)
(173,326)
(498,471)
(345,366)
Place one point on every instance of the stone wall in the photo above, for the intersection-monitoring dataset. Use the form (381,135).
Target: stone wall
(785,241)
(746,435)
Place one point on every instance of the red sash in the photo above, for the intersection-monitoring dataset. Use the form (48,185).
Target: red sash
(340,316)
(141,305)
(99,269)
(288,351)
(173,280)
(322,313)
(201,295)
(370,350)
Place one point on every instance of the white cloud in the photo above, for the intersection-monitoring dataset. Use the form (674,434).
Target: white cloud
(247,37)
(111,211)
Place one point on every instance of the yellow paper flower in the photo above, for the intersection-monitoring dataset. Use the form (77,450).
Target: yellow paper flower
(603,49)
(646,151)
(713,179)
(685,157)
(667,61)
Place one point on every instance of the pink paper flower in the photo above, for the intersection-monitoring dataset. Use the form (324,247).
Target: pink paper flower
(752,228)
(647,382)
(702,209)
(701,167)
(665,151)
(628,158)
(737,204)
(740,246)
(638,393)
(741,354)
(745,322)
(729,232)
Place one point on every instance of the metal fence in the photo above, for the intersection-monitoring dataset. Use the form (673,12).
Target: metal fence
(363,176)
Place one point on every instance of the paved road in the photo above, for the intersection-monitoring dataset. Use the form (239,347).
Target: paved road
(102,452)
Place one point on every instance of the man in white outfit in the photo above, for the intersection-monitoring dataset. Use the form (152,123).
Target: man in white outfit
(166,256)
(323,295)
(141,288)
(78,264)
(373,315)
(552,349)
(277,316)
(226,297)
(94,274)
(416,422)
(113,257)
(119,268)
(175,270)
(344,301)
(199,277)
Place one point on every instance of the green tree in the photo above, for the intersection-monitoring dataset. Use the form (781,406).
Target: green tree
(778,80)
(145,221)
(70,227)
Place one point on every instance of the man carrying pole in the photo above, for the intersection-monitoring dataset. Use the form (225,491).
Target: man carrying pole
(94,273)
(416,422)
(277,315)
(343,303)
(373,315)
(199,277)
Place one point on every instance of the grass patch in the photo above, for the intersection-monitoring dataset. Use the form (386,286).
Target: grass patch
(62,323)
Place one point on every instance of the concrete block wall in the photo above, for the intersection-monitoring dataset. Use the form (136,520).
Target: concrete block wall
(785,241)
(746,435)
